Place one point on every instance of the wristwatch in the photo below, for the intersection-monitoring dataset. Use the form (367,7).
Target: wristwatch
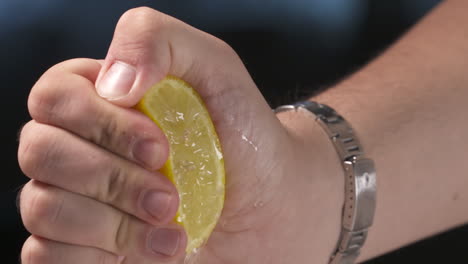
(360,180)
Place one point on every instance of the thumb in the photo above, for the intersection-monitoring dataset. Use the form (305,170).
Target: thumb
(148,45)
(138,57)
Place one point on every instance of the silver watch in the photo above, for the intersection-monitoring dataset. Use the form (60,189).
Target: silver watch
(360,180)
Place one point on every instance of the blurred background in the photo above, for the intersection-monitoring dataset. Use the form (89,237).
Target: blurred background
(292,48)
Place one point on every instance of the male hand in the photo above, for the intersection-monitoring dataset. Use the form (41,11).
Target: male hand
(95,195)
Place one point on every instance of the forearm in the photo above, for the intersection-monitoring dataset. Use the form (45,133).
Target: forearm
(408,108)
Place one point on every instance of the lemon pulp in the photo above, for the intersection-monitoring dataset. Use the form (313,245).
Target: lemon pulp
(195,164)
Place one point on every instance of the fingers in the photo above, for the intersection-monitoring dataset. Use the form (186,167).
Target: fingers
(69,218)
(148,45)
(57,157)
(65,97)
(38,250)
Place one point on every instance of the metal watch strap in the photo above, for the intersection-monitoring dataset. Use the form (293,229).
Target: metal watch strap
(360,180)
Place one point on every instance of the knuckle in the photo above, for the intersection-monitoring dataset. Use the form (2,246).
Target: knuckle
(35,148)
(40,207)
(118,180)
(223,51)
(59,97)
(143,16)
(26,162)
(35,251)
(122,233)
(45,96)
(228,51)
(105,135)
(223,45)
(136,29)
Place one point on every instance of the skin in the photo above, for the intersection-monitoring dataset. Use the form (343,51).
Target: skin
(90,176)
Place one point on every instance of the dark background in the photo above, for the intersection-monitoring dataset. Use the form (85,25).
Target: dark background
(291,47)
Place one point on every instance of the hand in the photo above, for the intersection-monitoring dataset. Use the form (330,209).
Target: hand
(95,197)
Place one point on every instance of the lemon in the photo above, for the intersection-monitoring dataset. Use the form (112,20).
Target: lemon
(195,164)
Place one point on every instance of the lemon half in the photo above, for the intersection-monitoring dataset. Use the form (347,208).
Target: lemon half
(195,163)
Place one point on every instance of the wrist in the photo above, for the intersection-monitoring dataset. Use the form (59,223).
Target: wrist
(319,189)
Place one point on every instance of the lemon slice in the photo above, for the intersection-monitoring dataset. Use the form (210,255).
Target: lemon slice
(195,163)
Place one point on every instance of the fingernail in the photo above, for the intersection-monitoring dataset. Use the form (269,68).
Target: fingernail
(146,152)
(157,203)
(117,81)
(165,241)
